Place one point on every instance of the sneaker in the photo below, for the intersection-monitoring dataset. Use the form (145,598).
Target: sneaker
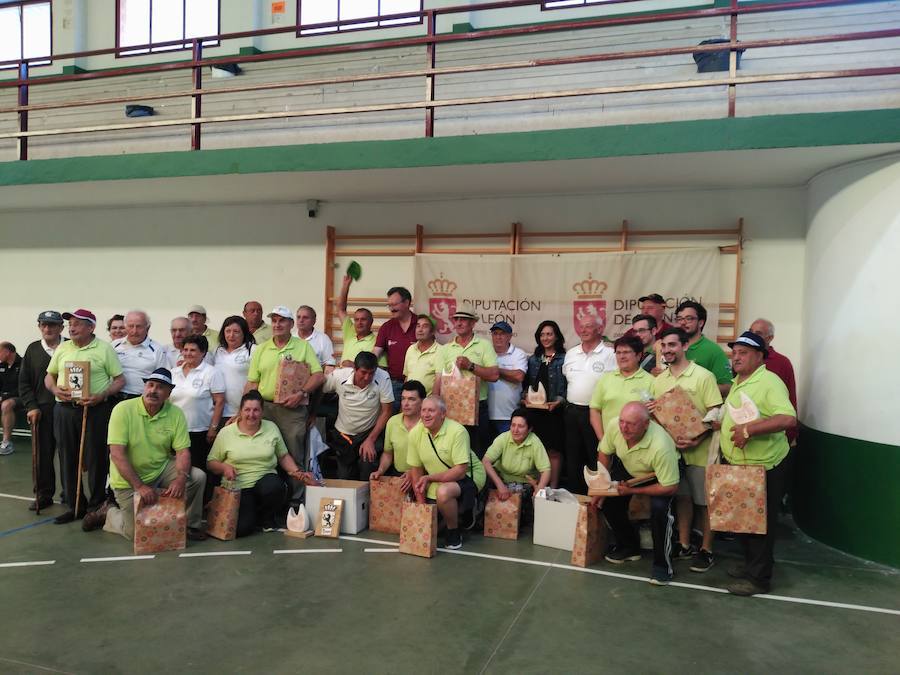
(617,555)
(702,561)
(660,578)
(6,448)
(746,587)
(684,552)
(454,540)
(737,571)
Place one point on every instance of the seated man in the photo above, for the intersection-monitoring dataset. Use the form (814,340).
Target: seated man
(517,458)
(143,433)
(443,467)
(365,399)
(10,363)
(642,447)
(396,434)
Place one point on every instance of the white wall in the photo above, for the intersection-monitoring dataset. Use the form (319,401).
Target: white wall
(852,303)
(166,258)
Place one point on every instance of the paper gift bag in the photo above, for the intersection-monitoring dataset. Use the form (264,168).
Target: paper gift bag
(676,412)
(222,516)
(290,379)
(159,527)
(736,498)
(501,519)
(418,529)
(460,393)
(386,504)
(589,536)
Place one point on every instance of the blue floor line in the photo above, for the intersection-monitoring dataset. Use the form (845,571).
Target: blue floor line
(26,527)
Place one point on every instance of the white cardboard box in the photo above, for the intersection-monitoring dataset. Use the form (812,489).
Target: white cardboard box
(554,523)
(355,493)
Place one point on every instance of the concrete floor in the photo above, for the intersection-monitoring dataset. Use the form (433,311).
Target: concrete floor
(378,612)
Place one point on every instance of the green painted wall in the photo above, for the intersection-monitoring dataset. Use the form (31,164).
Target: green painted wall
(846,494)
(774,131)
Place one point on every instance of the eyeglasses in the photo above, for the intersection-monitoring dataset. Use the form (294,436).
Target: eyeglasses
(642,330)
(686,319)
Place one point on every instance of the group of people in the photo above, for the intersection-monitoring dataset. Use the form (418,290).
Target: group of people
(176,419)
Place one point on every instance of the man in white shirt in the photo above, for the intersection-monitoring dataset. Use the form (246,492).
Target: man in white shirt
(321,343)
(583,367)
(365,400)
(505,394)
(179,329)
(138,354)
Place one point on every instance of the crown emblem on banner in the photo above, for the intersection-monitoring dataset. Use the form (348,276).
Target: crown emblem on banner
(441,287)
(589,288)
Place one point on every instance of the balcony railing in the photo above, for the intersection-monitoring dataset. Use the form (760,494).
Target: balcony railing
(430,42)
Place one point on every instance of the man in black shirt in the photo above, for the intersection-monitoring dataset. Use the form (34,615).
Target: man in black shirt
(9,393)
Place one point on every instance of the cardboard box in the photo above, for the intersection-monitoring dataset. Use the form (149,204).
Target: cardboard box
(555,522)
(354,493)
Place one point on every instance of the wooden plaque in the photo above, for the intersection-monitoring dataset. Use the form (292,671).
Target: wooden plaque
(78,379)
(536,399)
(290,379)
(328,524)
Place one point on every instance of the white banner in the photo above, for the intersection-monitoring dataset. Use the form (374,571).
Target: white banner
(527,289)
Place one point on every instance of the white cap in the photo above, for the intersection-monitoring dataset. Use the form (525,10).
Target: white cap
(282,311)
(197,309)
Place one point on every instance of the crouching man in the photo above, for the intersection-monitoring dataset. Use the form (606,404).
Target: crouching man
(143,432)
(443,467)
(642,447)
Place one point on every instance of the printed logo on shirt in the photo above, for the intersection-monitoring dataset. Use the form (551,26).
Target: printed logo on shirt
(197,384)
(391,343)
(598,367)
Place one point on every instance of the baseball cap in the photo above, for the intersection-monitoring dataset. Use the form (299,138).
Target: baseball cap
(653,297)
(282,311)
(50,316)
(197,309)
(160,375)
(83,314)
(751,340)
(502,325)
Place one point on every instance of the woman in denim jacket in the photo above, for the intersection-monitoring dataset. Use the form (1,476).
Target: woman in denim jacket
(545,368)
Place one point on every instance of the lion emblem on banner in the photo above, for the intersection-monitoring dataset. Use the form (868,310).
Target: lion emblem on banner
(589,301)
(442,304)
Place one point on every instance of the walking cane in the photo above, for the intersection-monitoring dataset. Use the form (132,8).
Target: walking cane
(35,466)
(84,417)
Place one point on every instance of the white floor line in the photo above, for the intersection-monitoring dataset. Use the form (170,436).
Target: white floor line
(678,584)
(369,541)
(307,550)
(381,550)
(118,558)
(24,499)
(212,554)
(28,564)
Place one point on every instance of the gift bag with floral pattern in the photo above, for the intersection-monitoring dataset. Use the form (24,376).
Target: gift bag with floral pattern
(386,501)
(460,393)
(736,498)
(418,529)
(501,519)
(159,527)
(222,516)
(590,536)
(678,415)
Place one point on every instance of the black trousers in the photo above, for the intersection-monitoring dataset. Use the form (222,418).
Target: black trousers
(67,427)
(350,466)
(759,549)
(46,478)
(261,504)
(661,520)
(199,452)
(481,435)
(581,446)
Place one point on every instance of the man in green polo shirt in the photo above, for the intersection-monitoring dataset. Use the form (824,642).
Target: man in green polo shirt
(628,383)
(474,357)
(642,447)
(758,411)
(691,318)
(700,386)
(421,355)
(442,466)
(143,434)
(396,434)
(291,414)
(356,331)
(106,380)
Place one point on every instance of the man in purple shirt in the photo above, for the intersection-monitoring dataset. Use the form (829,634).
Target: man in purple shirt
(395,336)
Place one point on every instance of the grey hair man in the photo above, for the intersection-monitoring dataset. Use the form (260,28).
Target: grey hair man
(138,353)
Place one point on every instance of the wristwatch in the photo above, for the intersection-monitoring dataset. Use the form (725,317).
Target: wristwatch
(471,367)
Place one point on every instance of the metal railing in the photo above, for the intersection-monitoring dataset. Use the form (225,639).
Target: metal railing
(430,73)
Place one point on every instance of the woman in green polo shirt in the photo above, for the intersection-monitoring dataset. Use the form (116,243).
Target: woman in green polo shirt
(246,453)
(517,458)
